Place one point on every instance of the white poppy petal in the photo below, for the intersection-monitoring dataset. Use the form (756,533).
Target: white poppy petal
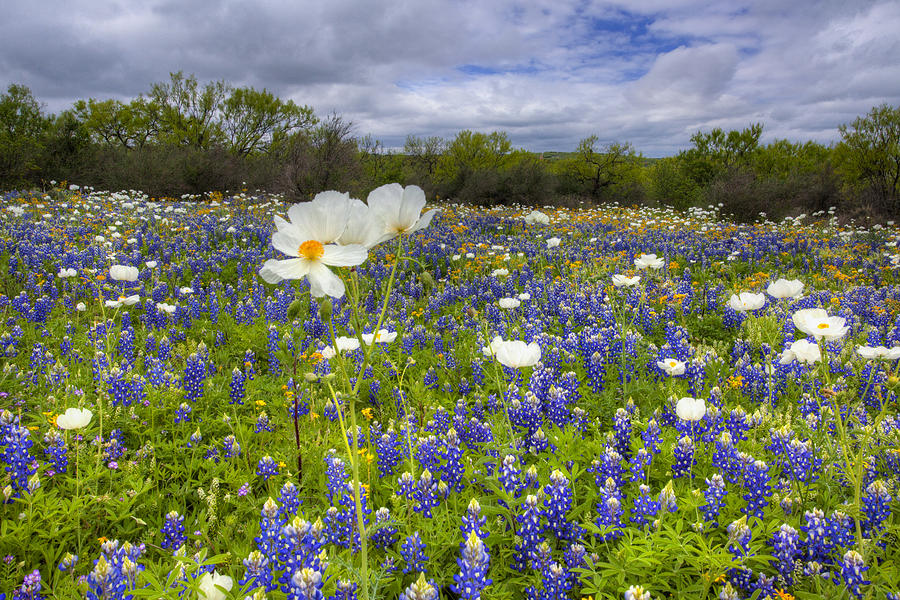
(323,282)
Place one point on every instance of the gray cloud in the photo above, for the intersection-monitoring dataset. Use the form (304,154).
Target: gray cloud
(549,72)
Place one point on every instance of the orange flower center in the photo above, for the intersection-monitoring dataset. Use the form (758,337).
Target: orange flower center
(823,326)
(311,250)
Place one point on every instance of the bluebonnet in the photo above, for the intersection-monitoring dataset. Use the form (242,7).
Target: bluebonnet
(756,481)
(267,467)
(609,511)
(15,442)
(852,569)
(236,386)
(557,504)
(684,457)
(785,545)
(194,376)
(645,508)
(384,534)
(739,535)
(413,552)
(529,535)
(473,568)
(714,494)
(421,589)
(173,532)
(55,448)
(876,507)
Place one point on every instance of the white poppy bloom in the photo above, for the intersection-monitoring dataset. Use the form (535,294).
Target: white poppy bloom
(785,288)
(553,242)
(399,208)
(690,409)
(74,418)
(383,336)
(524,296)
(499,273)
(364,227)
(186,291)
(517,354)
(81,307)
(803,351)
(537,216)
(817,323)
(210,584)
(166,308)
(490,350)
(623,281)
(123,273)
(648,261)
(151,264)
(746,301)
(879,352)
(308,238)
(66,273)
(344,344)
(509,303)
(671,366)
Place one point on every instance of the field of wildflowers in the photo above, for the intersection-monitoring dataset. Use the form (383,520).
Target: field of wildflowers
(227,397)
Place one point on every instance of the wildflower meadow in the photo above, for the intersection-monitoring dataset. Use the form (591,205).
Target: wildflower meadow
(234,397)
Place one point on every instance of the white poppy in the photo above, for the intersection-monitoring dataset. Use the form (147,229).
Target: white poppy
(517,354)
(803,351)
(879,352)
(123,273)
(817,323)
(74,418)
(400,208)
(537,216)
(509,303)
(623,281)
(785,288)
(690,409)
(383,336)
(671,366)
(746,301)
(553,242)
(648,260)
(210,584)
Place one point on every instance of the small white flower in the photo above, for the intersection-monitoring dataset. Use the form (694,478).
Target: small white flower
(123,273)
(81,307)
(74,418)
(690,409)
(186,291)
(537,216)
(524,296)
(879,352)
(785,288)
(517,354)
(66,273)
(210,584)
(817,323)
(500,272)
(383,336)
(166,308)
(648,261)
(508,303)
(344,343)
(151,264)
(553,242)
(623,281)
(803,351)
(671,366)
(746,301)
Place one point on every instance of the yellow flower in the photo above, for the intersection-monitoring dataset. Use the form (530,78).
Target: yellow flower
(368,414)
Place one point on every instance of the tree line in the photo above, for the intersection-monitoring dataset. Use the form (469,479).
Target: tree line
(184,136)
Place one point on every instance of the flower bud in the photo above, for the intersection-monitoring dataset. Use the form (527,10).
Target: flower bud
(294,309)
(311,377)
(325,311)
(427,280)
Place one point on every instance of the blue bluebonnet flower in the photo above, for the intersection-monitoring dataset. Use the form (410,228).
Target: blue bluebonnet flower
(645,508)
(384,534)
(852,569)
(267,467)
(684,457)
(817,544)
(529,535)
(306,584)
(557,504)
(876,507)
(346,590)
(30,588)
(739,535)
(413,552)
(785,545)
(289,497)
(756,481)
(421,589)
(840,530)
(68,562)
(622,428)
(714,494)
(194,376)
(609,511)
(56,450)
(15,442)
(183,413)
(173,532)
(473,568)
(640,461)
(426,494)
(636,592)
(258,570)
(236,386)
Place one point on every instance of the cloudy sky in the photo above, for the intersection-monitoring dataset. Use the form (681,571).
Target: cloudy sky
(548,72)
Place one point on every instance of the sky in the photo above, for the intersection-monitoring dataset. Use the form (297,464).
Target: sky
(547,72)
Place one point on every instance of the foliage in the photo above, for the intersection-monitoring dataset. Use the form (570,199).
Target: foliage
(869,155)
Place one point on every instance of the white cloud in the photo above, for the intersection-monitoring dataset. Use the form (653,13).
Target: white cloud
(549,72)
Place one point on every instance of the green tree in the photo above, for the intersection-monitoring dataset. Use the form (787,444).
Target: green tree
(669,183)
(252,120)
(22,130)
(717,151)
(118,125)
(190,113)
(601,171)
(323,158)
(782,159)
(472,151)
(422,156)
(869,154)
